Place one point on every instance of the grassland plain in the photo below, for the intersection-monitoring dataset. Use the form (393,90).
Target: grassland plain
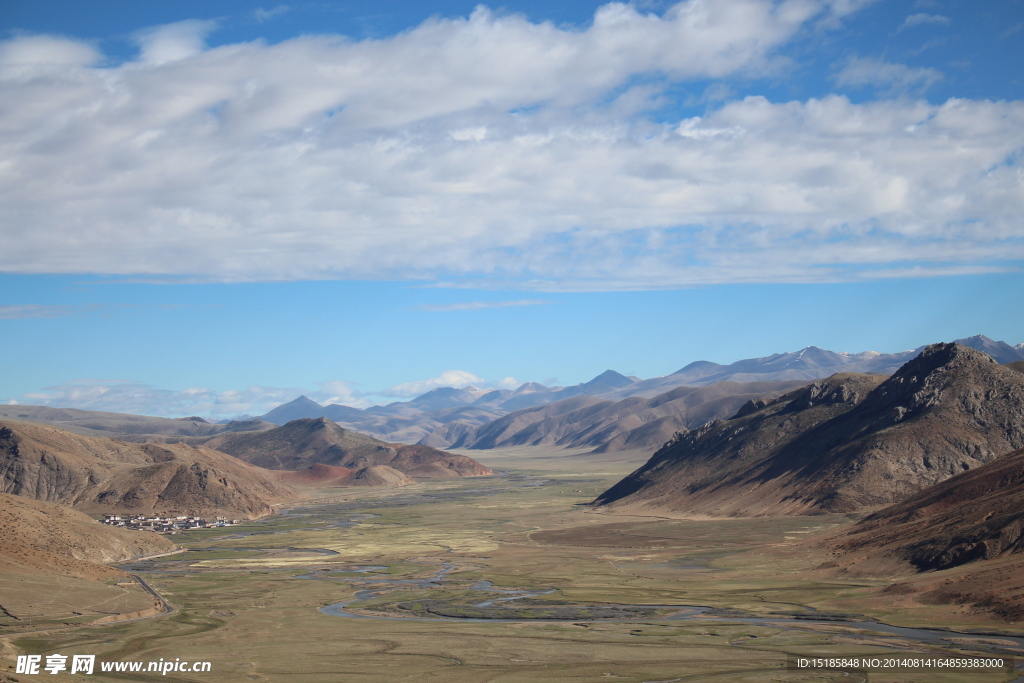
(250,600)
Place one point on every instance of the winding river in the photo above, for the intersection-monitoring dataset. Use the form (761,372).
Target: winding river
(377,586)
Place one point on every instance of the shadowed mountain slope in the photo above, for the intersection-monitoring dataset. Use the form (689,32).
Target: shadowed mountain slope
(306,442)
(973,516)
(94,474)
(840,444)
(959,542)
(606,426)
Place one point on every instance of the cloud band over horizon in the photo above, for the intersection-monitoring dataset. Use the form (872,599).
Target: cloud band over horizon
(492,151)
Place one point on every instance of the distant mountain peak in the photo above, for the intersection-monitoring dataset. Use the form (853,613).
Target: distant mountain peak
(1001,351)
(611,378)
(697,365)
(530,387)
(303,406)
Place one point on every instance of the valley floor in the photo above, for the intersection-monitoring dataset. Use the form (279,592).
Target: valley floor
(509,578)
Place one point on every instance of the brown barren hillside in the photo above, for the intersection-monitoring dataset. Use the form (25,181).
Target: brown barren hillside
(328,475)
(95,474)
(38,536)
(310,441)
(970,528)
(52,566)
(841,444)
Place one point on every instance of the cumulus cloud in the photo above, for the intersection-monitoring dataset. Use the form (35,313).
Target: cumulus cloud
(492,149)
(26,56)
(448,378)
(478,305)
(340,392)
(173,42)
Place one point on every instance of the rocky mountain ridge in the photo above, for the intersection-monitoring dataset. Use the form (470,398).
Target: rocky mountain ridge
(840,444)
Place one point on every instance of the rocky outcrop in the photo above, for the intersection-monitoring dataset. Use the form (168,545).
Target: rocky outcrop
(840,444)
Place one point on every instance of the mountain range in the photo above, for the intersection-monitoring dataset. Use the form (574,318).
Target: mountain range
(840,444)
(604,425)
(450,417)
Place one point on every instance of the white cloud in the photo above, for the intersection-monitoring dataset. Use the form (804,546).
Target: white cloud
(922,18)
(261,15)
(126,396)
(340,392)
(448,378)
(887,76)
(478,305)
(31,56)
(173,42)
(138,398)
(485,149)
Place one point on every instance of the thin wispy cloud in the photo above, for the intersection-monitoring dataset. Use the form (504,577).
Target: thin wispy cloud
(262,15)
(139,398)
(887,76)
(1016,28)
(28,311)
(480,305)
(923,18)
(448,378)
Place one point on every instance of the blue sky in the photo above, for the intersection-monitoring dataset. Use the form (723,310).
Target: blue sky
(210,208)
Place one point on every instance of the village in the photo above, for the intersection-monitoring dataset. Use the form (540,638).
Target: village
(168,525)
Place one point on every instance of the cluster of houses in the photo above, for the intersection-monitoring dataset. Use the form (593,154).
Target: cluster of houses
(165,524)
